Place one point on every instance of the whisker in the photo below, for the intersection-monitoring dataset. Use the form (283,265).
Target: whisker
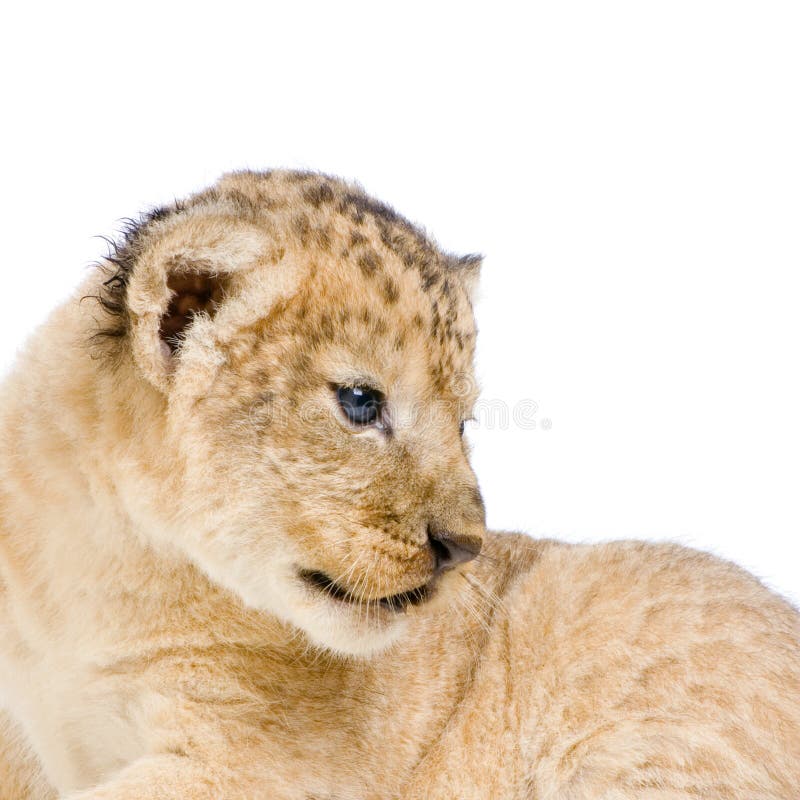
(489,559)
(488,599)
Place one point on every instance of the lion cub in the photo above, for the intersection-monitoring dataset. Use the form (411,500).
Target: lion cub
(243,555)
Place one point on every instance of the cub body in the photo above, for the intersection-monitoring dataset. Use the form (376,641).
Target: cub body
(243,555)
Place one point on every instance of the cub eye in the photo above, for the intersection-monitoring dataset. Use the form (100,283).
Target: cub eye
(362,406)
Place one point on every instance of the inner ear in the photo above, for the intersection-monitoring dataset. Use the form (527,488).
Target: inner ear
(192,293)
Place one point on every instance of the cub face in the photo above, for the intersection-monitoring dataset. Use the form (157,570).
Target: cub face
(314,355)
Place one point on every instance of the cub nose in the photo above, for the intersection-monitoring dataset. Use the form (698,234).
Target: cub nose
(451,549)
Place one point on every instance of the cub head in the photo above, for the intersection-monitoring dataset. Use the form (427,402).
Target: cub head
(313,355)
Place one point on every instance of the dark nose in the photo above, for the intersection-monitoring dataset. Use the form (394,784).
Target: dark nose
(451,549)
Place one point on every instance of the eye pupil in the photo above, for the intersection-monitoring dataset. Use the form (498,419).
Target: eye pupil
(361,405)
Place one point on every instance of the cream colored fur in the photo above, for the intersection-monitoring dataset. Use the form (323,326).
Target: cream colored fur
(161,498)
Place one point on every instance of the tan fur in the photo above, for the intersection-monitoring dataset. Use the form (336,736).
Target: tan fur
(158,498)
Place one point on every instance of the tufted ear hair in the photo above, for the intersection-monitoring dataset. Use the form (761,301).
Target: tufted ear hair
(468,270)
(175,276)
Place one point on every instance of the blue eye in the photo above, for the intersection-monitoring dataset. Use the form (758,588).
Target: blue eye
(362,406)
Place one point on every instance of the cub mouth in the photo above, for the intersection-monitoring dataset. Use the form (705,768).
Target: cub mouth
(395,602)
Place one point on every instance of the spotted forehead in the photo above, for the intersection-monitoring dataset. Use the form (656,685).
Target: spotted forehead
(408,282)
(320,214)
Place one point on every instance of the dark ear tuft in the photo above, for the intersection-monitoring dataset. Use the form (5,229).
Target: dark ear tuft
(192,293)
(118,266)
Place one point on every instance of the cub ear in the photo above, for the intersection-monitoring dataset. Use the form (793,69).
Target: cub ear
(192,293)
(468,270)
(179,271)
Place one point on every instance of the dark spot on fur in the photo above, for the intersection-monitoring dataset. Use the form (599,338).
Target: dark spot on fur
(319,194)
(357,239)
(428,278)
(346,208)
(389,241)
(326,326)
(417,320)
(399,341)
(369,262)
(391,291)
(436,374)
(323,237)
(302,227)
(360,205)
(302,363)
(448,328)
(244,204)
(269,203)
(435,319)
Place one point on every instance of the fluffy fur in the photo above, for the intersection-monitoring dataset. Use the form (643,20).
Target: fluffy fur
(174,466)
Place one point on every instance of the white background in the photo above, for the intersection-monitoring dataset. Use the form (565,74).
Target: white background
(630,169)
